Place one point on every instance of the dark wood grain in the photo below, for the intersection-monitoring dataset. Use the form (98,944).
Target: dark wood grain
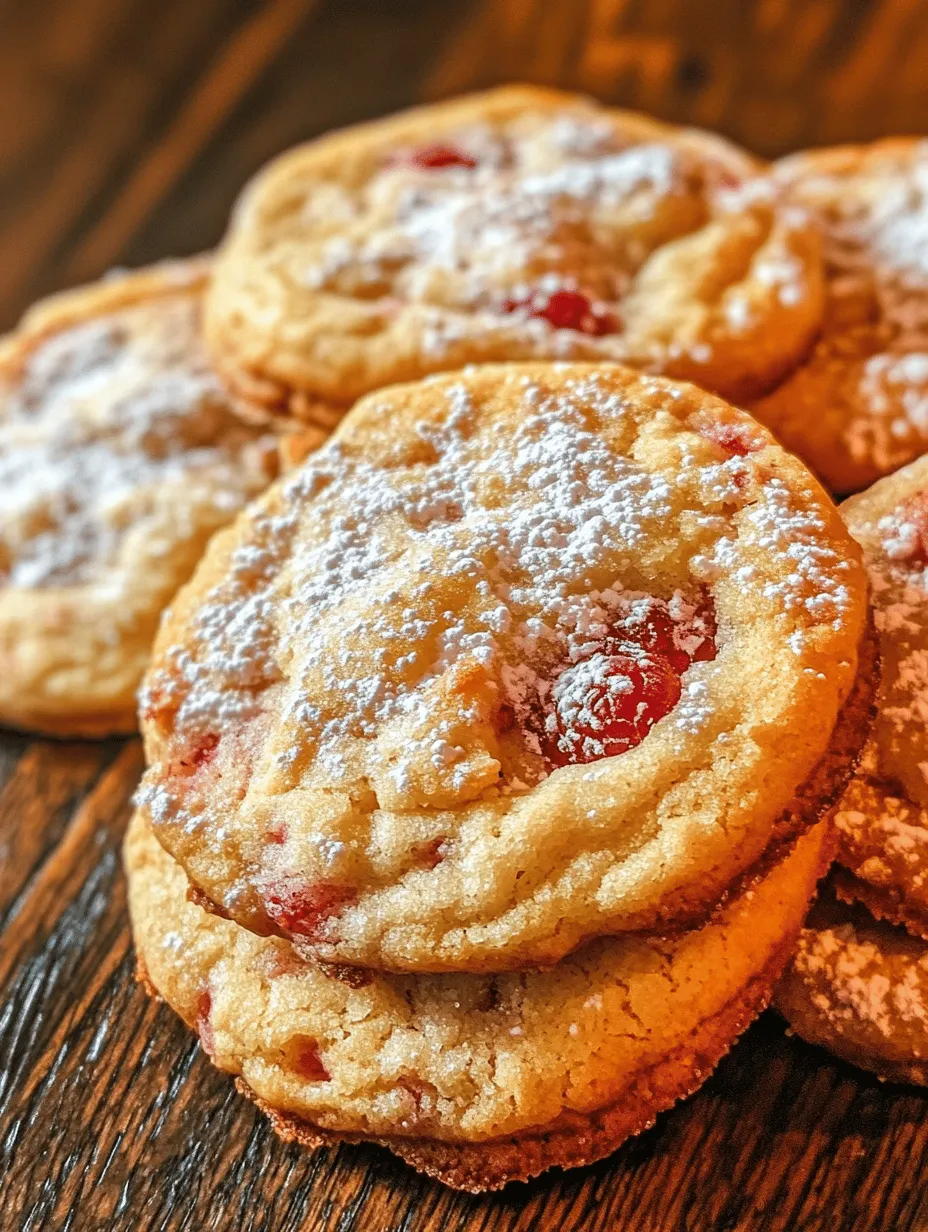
(775,75)
(126,129)
(110,1117)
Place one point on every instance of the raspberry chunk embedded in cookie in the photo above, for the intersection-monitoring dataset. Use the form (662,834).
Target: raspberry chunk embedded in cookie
(607,702)
(200,754)
(605,705)
(305,1058)
(565,309)
(204,1022)
(683,632)
(431,854)
(437,156)
(735,437)
(302,908)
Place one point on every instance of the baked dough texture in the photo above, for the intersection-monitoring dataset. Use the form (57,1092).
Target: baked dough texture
(857,408)
(476,1079)
(518,224)
(883,817)
(859,987)
(351,714)
(119,457)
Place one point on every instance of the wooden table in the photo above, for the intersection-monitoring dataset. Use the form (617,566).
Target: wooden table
(126,129)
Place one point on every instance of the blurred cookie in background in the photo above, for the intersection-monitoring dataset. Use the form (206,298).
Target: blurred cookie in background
(857,407)
(120,454)
(518,224)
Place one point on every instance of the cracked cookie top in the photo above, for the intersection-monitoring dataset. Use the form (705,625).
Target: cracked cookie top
(120,454)
(510,662)
(514,225)
(857,407)
(466,1058)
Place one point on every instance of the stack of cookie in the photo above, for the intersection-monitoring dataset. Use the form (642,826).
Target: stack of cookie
(488,754)
(857,409)
(859,982)
(492,749)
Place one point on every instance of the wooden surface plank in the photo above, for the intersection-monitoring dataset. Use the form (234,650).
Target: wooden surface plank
(126,130)
(84,89)
(775,75)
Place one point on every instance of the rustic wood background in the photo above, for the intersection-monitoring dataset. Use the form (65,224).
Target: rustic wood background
(126,129)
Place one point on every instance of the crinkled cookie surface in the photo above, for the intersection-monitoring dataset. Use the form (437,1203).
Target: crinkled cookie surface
(465,1059)
(523,655)
(513,225)
(857,408)
(119,456)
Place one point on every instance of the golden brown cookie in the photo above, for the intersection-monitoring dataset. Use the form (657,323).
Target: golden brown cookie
(119,457)
(859,988)
(857,408)
(517,224)
(883,817)
(523,656)
(478,1080)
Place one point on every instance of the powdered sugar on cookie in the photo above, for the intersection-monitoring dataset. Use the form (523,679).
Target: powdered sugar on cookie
(856,408)
(515,225)
(106,422)
(523,576)
(365,724)
(858,986)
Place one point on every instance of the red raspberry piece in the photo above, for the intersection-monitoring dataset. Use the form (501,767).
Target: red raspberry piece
(723,178)
(204,1025)
(420,1091)
(303,908)
(679,642)
(304,1056)
(915,511)
(607,704)
(159,708)
(735,437)
(201,754)
(567,310)
(436,156)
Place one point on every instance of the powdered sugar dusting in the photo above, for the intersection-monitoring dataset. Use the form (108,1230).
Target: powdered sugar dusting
(396,609)
(857,981)
(117,433)
(570,200)
(545,205)
(522,564)
(875,224)
(819,580)
(897,564)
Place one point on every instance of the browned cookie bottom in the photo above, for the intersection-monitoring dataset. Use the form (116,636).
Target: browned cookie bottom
(573,1141)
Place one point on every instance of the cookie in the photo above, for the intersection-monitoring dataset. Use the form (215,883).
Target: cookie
(882,819)
(481,680)
(478,1080)
(857,408)
(119,457)
(518,224)
(859,988)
